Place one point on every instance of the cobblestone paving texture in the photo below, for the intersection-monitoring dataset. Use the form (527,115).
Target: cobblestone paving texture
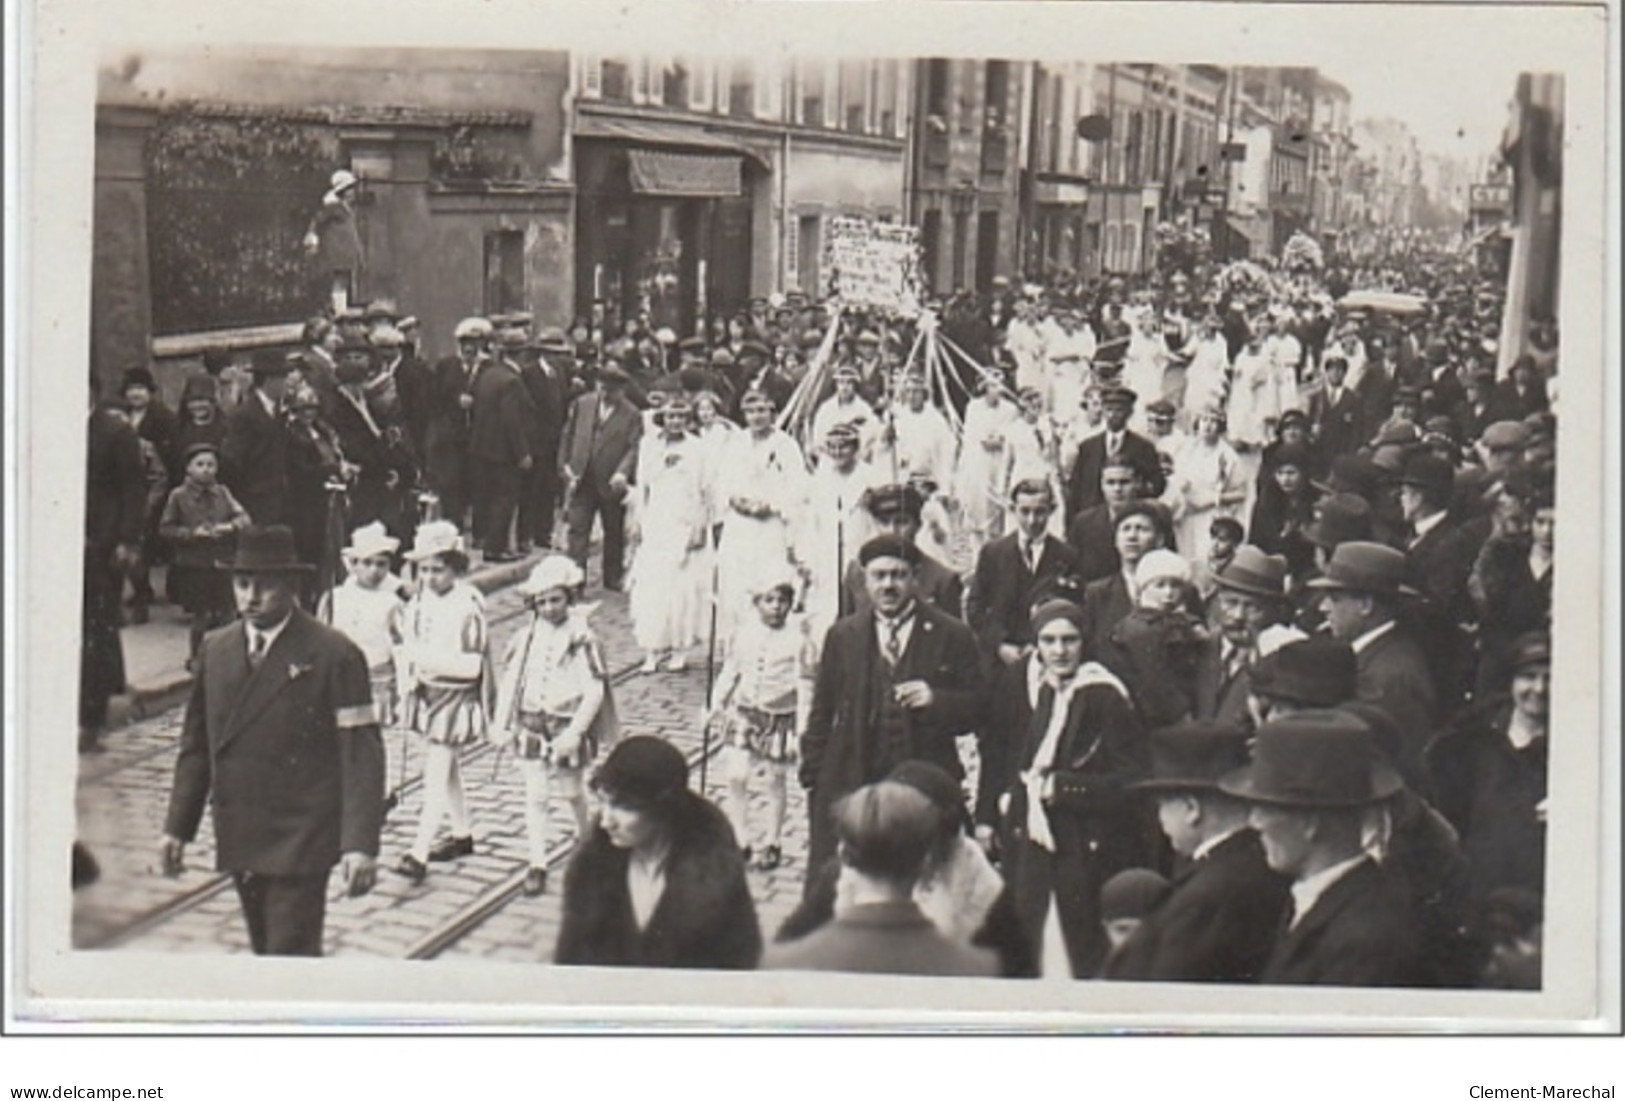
(122,796)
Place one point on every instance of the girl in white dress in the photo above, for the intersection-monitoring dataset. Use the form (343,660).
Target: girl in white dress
(762,490)
(984,461)
(670,582)
(1035,453)
(554,705)
(1145,365)
(763,696)
(1207,373)
(444,670)
(1212,482)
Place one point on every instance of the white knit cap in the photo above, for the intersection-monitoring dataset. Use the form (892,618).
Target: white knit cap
(1161,563)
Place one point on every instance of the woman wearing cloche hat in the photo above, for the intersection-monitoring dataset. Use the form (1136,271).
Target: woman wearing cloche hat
(445,682)
(553,704)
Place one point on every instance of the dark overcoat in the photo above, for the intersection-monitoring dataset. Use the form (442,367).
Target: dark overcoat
(254,460)
(289,754)
(886,937)
(847,745)
(705,917)
(1083,488)
(1218,924)
(1004,585)
(1360,932)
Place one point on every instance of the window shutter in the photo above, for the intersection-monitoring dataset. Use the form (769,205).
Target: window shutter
(701,84)
(591,82)
(832,95)
(724,78)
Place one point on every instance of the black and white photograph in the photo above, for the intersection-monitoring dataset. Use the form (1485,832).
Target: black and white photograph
(1062,511)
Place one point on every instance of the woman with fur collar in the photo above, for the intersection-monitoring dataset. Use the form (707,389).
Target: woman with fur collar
(660,881)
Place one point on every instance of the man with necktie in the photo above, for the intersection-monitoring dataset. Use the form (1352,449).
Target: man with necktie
(1250,596)
(280,735)
(1118,443)
(898,681)
(1012,570)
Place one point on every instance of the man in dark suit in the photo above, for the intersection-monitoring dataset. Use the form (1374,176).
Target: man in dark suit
(1360,594)
(501,445)
(1250,596)
(898,682)
(254,452)
(1140,527)
(280,735)
(1091,534)
(1218,924)
(1523,392)
(373,444)
(1011,570)
(896,509)
(1116,442)
(1440,552)
(1312,778)
(450,417)
(115,517)
(597,457)
(549,387)
(1336,419)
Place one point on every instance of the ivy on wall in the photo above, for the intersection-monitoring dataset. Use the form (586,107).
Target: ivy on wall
(228,202)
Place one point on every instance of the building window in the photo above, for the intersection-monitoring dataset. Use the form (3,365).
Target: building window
(616,80)
(931,244)
(741,89)
(678,76)
(810,92)
(937,87)
(996,96)
(855,96)
(808,254)
(504,271)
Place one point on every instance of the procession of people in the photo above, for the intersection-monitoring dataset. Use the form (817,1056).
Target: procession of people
(1202,576)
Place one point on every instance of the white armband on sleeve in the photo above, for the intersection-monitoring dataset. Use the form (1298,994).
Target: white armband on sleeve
(350,718)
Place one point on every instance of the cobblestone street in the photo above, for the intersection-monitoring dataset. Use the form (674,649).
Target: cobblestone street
(468,909)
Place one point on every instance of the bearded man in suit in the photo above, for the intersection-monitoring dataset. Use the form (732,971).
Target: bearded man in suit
(280,735)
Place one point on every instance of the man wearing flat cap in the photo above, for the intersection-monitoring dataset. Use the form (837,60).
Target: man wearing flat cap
(1362,591)
(1219,922)
(1312,779)
(597,457)
(898,681)
(281,737)
(254,452)
(1116,442)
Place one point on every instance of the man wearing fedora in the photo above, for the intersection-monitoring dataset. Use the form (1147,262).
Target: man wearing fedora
(1305,674)
(598,455)
(450,418)
(281,737)
(548,384)
(254,452)
(1219,923)
(1361,593)
(1312,779)
(1250,595)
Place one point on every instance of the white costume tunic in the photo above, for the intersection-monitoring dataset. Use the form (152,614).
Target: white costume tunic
(1284,352)
(553,680)
(670,583)
(1253,399)
(925,444)
(714,439)
(370,618)
(770,473)
(1144,365)
(443,666)
(1035,451)
(981,482)
(1070,358)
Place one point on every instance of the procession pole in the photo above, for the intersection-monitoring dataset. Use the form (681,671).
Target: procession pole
(710,675)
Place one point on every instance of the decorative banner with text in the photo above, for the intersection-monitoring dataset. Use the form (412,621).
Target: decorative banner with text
(873,264)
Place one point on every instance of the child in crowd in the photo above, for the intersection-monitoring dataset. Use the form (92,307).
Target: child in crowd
(200,521)
(1225,534)
(1126,900)
(553,705)
(1156,647)
(445,687)
(368,607)
(763,696)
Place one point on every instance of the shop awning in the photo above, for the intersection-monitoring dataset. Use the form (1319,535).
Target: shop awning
(692,175)
(662,135)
